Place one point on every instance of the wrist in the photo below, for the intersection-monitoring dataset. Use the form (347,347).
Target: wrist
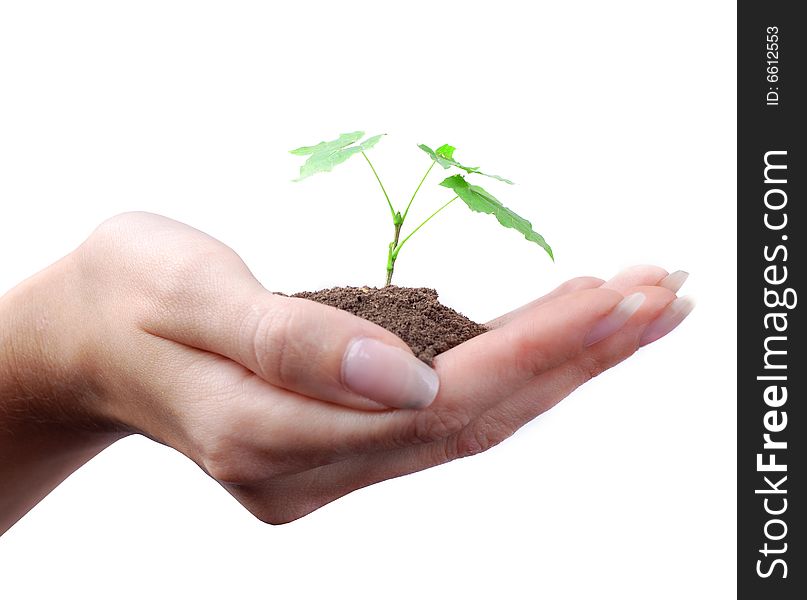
(46,372)
(49,422)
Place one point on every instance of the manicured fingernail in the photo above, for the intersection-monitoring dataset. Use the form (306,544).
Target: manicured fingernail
(614,320)
(674,281)
(668,320)
(388,375)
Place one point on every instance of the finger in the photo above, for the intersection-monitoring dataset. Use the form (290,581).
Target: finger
(299,345)
(659,314)
(672,317)
(502,360)
(241,429)
(646,275)
(549,388)
(626,279)
(674,281)
(635,276)
(573,285)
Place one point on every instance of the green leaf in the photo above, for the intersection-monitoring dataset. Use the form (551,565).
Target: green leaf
(440,159)
(444,156)
(325,156)
(480,200)
(446,151)
(370,142)
(344,140)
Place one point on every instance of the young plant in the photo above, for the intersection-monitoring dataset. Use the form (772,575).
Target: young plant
(326,155)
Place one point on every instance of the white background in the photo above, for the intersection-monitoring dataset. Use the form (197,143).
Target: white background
(617,122)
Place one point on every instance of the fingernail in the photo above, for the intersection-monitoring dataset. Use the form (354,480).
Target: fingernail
(668,320)
(614,320)
(388,375)
(674,281)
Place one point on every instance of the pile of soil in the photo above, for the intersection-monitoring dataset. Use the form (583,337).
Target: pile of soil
(413,314)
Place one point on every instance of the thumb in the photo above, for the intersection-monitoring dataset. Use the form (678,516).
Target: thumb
(302,346)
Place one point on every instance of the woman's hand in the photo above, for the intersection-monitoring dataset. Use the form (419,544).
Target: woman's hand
(493,384)
(152,327)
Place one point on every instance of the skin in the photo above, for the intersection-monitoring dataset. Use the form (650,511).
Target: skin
(151,327)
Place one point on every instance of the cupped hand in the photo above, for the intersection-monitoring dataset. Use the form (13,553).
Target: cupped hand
(493,384)
(158,329)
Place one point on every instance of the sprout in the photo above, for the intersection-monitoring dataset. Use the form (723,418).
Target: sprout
(325,156)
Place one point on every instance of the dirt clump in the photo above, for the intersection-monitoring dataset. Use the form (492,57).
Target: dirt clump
(413,314)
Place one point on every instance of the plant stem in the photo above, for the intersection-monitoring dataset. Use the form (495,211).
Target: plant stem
(390,257)
(398,247)
(378,179)
(406,212)
(397,222)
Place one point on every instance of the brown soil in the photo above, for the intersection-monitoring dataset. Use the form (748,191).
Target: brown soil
(413,314)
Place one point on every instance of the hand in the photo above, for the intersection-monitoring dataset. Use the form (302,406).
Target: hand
(493,384)
(153,327)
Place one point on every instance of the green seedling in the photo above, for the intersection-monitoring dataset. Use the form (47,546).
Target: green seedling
(325,156)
